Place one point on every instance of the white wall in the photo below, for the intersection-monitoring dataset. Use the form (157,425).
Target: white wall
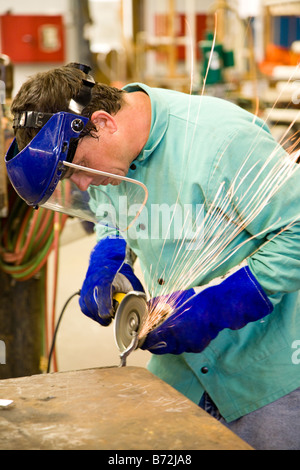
(104,37)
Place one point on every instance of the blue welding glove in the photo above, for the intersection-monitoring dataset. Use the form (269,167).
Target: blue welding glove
(108,273)
(198,318)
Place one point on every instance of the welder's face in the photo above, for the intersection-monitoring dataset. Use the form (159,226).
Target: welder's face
(97,154)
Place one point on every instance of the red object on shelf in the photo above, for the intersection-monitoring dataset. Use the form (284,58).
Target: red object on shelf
(32,38)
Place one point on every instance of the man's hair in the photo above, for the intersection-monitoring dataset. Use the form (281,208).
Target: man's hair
(51,92)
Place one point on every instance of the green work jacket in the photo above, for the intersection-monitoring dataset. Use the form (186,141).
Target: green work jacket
(208,156)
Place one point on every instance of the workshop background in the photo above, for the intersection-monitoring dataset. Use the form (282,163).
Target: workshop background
(165,43)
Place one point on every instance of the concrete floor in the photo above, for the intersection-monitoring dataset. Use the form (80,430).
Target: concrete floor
(82,343)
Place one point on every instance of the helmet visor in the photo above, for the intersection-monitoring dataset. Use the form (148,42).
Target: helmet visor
(111,200)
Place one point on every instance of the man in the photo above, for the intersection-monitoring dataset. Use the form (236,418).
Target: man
(231,279)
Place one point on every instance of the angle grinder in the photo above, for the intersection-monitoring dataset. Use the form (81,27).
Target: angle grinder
(130,313)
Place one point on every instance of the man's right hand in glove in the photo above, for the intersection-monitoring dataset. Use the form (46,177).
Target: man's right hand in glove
(107,274)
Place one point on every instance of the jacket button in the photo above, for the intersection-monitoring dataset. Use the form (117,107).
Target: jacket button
(204,370)
(161,282)
(142,227)
(133,167)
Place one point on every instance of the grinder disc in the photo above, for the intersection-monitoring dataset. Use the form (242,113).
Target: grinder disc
(129,318)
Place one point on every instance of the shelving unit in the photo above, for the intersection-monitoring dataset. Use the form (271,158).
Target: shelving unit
(281,106)
(157,48)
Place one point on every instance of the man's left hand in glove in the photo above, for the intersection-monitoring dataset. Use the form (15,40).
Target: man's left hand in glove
(198,318)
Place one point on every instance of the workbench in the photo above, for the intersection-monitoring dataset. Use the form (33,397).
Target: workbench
(116,408)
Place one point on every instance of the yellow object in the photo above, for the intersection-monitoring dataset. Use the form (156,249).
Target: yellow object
(119,296)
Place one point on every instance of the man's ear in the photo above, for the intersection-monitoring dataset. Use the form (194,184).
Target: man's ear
(102,119)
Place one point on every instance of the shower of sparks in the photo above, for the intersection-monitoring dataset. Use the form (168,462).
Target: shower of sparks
(225,223)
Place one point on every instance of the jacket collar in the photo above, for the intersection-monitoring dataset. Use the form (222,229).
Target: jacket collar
(159,117)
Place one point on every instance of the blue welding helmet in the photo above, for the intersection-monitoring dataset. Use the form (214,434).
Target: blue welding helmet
(36,170)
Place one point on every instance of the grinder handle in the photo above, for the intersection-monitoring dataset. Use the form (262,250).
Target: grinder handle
(117,299)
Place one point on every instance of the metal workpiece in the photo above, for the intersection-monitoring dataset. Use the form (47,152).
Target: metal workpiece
(113,408)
